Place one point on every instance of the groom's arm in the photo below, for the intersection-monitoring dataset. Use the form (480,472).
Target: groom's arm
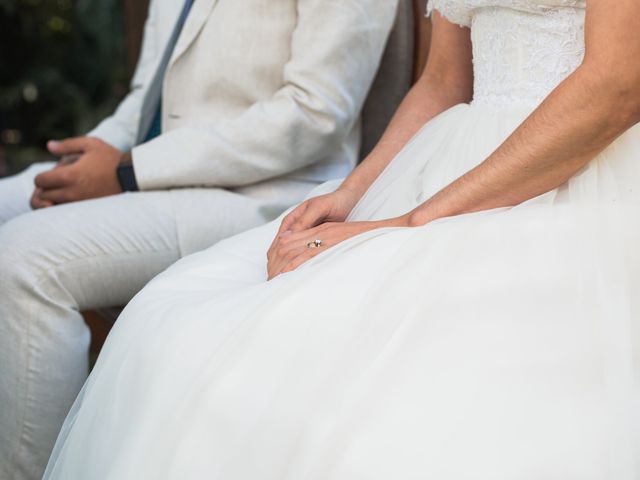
(335,53)
(120,129)
(581,117)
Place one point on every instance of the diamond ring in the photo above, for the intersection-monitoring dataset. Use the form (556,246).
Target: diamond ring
(315,244)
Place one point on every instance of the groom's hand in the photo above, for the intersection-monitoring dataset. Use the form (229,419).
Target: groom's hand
(87,170)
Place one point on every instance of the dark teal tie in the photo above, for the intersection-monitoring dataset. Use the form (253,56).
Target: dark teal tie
(156,124)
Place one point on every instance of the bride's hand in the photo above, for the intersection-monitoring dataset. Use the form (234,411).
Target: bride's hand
(292,249)
(331,207)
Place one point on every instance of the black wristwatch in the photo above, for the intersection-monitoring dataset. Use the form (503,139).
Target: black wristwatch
(127,177)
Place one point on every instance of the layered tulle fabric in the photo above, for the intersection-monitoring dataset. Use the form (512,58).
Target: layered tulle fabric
(500,345)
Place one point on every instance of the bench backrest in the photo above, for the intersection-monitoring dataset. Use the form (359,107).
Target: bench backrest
(403,59)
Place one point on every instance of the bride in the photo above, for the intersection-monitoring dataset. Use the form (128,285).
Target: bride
(466,304)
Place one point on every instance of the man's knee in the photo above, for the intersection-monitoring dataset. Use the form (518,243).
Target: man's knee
(24,258)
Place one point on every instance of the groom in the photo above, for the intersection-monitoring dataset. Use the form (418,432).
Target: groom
(237,109)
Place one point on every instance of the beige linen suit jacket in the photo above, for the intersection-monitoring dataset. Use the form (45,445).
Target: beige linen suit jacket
(256,92)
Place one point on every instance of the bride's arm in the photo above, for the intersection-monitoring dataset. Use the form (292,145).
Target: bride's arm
(579,119)
(447,80)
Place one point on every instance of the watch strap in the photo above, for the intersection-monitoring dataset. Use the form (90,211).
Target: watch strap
(127,178)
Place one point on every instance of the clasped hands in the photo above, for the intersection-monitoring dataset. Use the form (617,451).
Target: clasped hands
(87,169)
(319,218)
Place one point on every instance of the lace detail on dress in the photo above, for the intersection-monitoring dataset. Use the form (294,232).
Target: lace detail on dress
(520,57)
(461,11)
(522,49)
(453,10)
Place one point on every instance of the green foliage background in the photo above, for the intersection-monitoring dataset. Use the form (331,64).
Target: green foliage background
(62,69)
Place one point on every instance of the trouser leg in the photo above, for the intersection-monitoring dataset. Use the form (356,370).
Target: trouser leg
(244,252)
(59,261)
(53,264)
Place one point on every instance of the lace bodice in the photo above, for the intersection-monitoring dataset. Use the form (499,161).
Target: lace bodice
(522,49)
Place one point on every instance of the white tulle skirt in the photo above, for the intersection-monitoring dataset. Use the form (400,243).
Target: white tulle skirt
(502,345)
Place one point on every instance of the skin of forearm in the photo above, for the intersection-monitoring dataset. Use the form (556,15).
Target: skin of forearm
(431,96)
(583,116)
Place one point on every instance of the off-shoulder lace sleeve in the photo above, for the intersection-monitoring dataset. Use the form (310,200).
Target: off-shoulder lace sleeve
(456,11)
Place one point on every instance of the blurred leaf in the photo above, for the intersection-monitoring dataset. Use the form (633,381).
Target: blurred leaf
(62,67)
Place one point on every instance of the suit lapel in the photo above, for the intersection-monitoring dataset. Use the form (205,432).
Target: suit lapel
(195,21)
(169,17)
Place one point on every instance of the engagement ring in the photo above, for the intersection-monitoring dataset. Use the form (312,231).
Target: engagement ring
(315,244)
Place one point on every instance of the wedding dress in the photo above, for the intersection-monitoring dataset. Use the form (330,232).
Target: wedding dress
(499,345)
